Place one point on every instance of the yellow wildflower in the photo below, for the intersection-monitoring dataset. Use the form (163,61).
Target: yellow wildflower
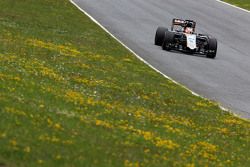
(147,135)
(27,149)
(146,150)
(91,101)
(67,142)
(13,142)
(127,163)
(145,97)
(190,165)
(57,126)
(58,157)
(209,147)
(224,131)
(41,106)
(75,97)
(127,60)
(15,111)
(9,77)
(171,129)
(233,121)
(54,139)
(64,50)
(3,135)
(169,144)
(103,123)
(201,104)
(40,161)
(50,122)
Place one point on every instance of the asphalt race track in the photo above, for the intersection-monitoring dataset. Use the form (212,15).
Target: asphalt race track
(225,79)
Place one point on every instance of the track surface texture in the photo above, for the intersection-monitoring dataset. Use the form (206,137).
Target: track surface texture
(225,79)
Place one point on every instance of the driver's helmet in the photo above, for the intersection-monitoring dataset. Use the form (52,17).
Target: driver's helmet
(188,30)
(189,24)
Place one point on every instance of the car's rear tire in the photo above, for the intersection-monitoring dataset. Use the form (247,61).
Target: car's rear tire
(212,48)
(168,40)
(159,35)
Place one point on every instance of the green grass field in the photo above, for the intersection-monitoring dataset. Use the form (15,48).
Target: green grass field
(70,95)
(241,3)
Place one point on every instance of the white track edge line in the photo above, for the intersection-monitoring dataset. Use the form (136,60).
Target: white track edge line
(144,61)
(226,3)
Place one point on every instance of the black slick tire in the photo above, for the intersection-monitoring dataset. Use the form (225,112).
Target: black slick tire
(159,35)
(212,48)
(168,40)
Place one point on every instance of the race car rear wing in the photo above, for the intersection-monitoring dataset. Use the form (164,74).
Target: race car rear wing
(183,23)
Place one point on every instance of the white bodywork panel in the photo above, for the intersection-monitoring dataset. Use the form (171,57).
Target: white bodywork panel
(191,41)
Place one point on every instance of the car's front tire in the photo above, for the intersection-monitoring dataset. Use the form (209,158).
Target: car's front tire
(159,35)
(168,40)
(212,48)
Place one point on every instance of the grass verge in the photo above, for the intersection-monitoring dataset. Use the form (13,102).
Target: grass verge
(241,3)
(70,95)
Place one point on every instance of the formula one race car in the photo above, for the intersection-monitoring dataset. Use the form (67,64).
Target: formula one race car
(182,37)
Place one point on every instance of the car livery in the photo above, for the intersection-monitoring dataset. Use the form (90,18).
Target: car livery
(182,37)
